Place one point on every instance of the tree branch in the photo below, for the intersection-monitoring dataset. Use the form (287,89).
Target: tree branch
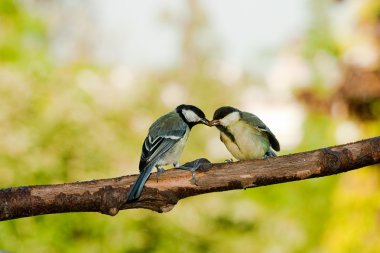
(108,196)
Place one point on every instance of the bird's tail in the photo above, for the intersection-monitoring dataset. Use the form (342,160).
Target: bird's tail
(138,186)
(270,153)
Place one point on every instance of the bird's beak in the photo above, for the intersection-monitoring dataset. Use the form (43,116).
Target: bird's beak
(214,122)
(206,122)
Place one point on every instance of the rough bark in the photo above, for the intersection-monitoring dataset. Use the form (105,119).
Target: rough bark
(108,196)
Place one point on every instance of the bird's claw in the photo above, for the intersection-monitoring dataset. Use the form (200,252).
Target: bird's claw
(159,171)
(231,160)
(191,169)
(193,166)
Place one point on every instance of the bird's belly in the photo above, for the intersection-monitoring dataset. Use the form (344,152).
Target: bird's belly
(233,148)
(172,155)
(248,145)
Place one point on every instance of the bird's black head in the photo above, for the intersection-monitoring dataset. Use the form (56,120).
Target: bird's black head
(223,111)
(225,115)
(192,115)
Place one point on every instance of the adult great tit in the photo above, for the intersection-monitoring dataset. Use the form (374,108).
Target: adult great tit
(244,134)
(165,142)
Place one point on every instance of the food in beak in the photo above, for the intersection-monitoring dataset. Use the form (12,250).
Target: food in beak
(206,122)
(214,122)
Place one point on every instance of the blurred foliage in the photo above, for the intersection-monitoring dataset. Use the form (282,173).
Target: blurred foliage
(76,122)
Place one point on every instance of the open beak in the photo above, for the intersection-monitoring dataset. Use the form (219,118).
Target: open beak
(206,122)
(214,122)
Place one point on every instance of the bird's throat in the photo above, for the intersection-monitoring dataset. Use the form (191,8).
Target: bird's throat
(225,130)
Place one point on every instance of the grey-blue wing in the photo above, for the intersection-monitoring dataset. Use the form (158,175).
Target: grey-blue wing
(256,122)
(163,134)
(153,149)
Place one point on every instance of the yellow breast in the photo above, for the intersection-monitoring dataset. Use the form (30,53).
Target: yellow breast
(250,143)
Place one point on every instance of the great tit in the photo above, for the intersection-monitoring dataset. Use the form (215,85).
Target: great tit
(165,142)
(244,134)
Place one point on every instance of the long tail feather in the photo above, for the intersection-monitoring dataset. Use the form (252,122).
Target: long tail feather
(138,186)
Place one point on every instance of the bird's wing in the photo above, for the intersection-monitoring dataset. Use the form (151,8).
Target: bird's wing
(162,136)
(153,149)
(255,122)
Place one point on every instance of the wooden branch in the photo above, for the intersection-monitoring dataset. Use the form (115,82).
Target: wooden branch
(108,196)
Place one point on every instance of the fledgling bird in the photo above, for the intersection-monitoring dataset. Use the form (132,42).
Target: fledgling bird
(244,134)
(165,142)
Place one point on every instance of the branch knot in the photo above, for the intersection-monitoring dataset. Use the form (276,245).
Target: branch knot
(330,160)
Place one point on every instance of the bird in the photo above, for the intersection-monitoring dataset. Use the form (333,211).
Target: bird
(245,136)
(165,142)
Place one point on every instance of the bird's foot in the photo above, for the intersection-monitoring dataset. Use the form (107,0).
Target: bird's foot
(201,163)
(269,154)
(159,171)
(231,160)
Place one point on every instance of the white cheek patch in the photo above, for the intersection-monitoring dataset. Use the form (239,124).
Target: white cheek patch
(230,118)
(191,116)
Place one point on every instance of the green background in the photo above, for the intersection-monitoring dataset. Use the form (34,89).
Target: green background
(52,130)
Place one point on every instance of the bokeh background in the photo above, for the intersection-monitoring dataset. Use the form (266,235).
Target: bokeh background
(81,82)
